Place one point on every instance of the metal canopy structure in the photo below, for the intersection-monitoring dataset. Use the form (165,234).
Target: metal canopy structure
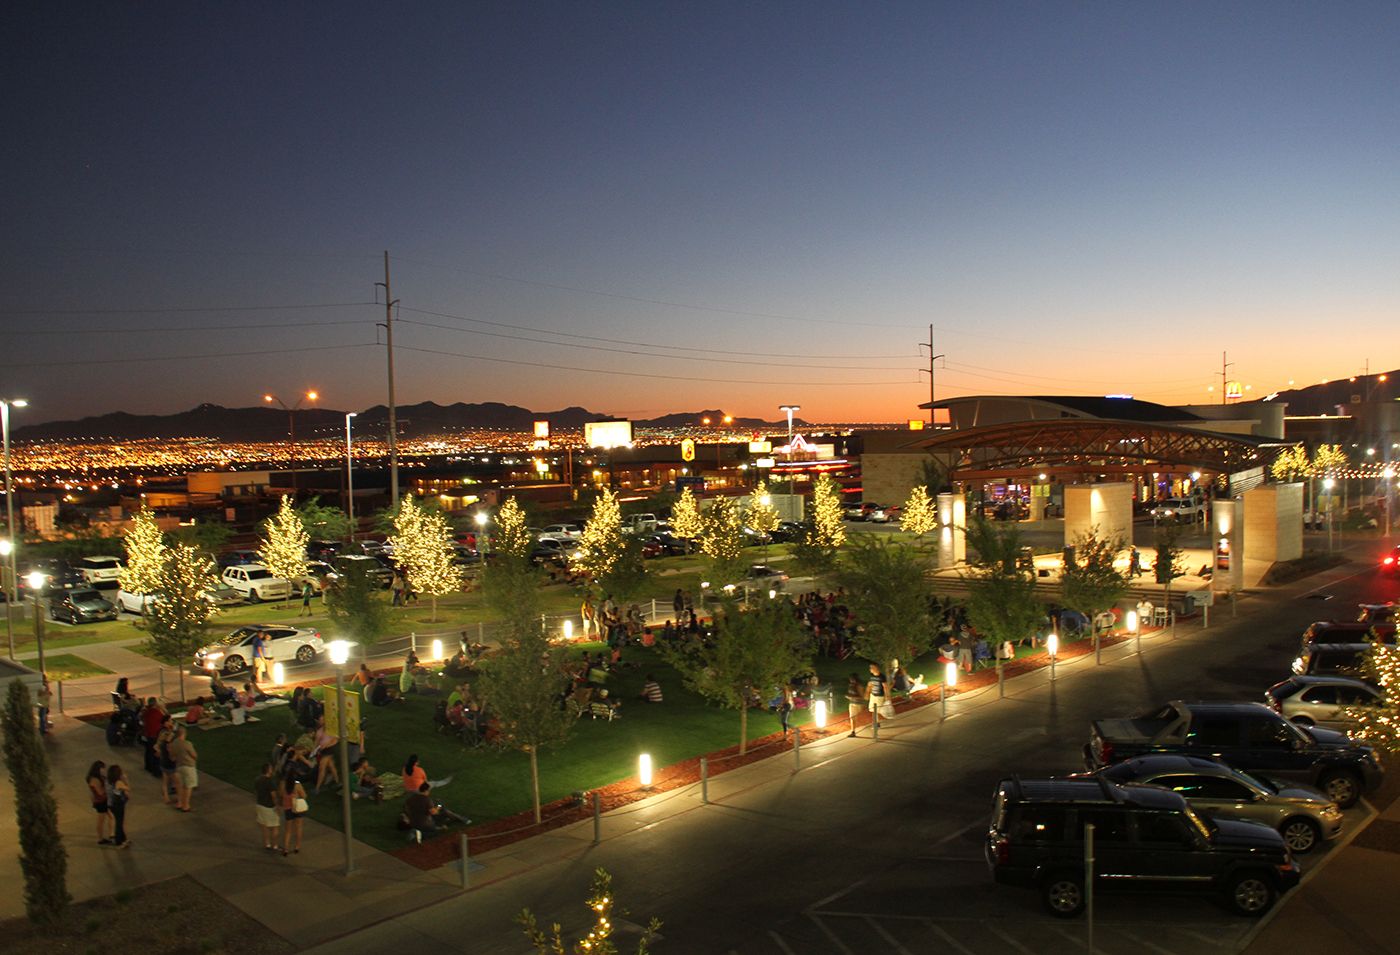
(1090,445)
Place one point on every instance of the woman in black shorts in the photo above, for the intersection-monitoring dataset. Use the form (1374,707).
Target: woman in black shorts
(97,789)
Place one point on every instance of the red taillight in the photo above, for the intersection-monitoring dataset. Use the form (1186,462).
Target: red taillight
(1105,751)
(1001,850)
(1388,561)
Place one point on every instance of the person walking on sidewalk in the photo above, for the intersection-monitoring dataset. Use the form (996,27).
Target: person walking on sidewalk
(186,759)
(260,661)
(855,699)
(97,791)
(265,795)
(877,694)
(118,793)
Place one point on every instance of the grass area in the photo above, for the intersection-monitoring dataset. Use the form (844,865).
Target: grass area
(1312,562)
(67,666)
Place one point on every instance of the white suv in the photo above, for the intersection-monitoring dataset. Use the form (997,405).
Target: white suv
(561,532)
(256,583)
(100,570)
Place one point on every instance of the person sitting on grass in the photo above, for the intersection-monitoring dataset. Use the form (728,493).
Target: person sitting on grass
(222,692)
(380,694)
(367,784)
(415,775)
(198,714)
(651,690)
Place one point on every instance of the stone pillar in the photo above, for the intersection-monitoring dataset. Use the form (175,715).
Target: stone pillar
(1273,522)
(952,529)
(1227,530)
(1108,508)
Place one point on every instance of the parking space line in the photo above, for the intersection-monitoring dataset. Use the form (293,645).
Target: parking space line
(845,949)
(952,942)
(1198,936)
(890,940)
(1077,942)
(992,926)
(778,941)
(1142,942)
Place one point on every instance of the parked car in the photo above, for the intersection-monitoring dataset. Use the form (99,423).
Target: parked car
(1303,816)
(233,558)
(58,575)
(1146,839)
(1377,613)
(256,583)
(84,605)
(1390,563)
(788,531)
(1341,659)
(100,570)
(853,510)
(763,577)
(221,595)
(1348,631)
(639,524)
(323,550)
(568,532)
(881,514)
(379,570)
(1321,700)
(1247,736)
(234,652)
(663,544)
(134,603)
(1179,510)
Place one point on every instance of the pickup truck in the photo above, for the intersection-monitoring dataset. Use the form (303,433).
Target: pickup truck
(1247,736)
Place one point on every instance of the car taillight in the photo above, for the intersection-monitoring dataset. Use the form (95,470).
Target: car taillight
(1001,850)
(1105,750)
(1388,561)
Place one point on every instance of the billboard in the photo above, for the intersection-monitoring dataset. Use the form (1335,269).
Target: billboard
(607,434)
(541,429)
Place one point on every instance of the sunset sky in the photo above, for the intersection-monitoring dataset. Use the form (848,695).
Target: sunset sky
(652,207)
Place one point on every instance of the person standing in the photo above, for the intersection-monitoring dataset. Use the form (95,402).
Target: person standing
(307,592)
(855,699)
(118,793)
(877,697)
(396,586)
(294,807)
(97,791)
(166,761)
(260,663)
(678,606)
(44,698)
(186,760)
(265,795)
(152,718)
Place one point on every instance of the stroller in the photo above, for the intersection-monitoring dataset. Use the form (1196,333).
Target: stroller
(123,725)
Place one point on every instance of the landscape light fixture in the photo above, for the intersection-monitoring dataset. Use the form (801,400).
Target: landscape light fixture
(819,714)
(36,581)
(644,770)
(1052,647)
(339,652)
(437,649)
(568,629)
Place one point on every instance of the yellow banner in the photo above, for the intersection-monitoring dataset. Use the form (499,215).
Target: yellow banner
(352,714)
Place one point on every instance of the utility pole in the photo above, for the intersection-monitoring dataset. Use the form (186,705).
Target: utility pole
(1224,376)
(389,303)
(931,359)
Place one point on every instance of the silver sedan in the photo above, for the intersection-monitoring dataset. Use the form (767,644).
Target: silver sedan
(1303,816)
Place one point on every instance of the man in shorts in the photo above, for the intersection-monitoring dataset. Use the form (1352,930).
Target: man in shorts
(269,820)
(186,768)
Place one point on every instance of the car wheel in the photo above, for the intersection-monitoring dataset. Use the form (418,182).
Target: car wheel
(1250,893)
(1063,894)
(1303,721)
(1299,834)
(253,596)
(53,613)
(1342,787)
(305,654)
(234,664)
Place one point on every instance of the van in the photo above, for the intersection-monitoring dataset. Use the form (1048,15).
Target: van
(640,524)
(1348,659)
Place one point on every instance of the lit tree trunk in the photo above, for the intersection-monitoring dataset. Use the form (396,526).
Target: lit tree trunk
(535,779)
(744,726)
(180,660)
(433,599)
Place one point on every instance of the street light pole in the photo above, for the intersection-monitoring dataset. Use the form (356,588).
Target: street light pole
(1328,484)
(12,584)
(339,653)
(349,476)
(36,583)
(789,409)
(291,430)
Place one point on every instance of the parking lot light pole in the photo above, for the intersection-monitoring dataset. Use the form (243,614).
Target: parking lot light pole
(340,653)
(36,583)
(12,582)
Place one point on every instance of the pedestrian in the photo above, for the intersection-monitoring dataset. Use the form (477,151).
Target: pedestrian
(855,699)
(152,717)
(588,614)
(678,605)
(166,761)
(1134,563)
(294,808)
(265,795)
(876,696)
(307,592)
(118,794)
(44,699)
(97,791)
(785,709)
(396,586)
(260,659)
(186,760)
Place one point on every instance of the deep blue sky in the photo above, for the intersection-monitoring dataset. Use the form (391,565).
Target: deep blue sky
(1080,197)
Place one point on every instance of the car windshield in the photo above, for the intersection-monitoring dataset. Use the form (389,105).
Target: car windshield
(85,596)
(1204,825)
(1263,782)
(101,563)
(258,575)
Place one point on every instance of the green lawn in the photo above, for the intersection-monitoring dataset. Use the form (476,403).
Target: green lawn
(66,666)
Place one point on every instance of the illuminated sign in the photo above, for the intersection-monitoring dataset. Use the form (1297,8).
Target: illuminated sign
(765,462)
(1233,390)
(687,450)
(916,424)
(541,429)
(607,434)
(760,447)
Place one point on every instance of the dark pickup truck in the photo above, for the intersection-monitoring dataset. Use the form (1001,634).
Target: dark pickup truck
(1247,736)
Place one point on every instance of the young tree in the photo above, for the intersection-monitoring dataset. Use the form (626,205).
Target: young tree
(512,538)
(1167,564)
(357,607)
(599,939)
(42,857)
(522,683)
(145,556)
(1091,584)
(509,581)
(1001,600)
(920,514)
(176,619)
(815,551)
(612,560)
(752,653)
(284,541)
(686,522)
(1380,725)
(722,541)
(324,522)
(762,516)
(1291,462)
(889,595)
(423,550)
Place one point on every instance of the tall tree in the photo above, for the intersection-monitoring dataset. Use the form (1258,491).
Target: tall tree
(512,538)
(1090,583)
(761,515)
(1001,600)
(686,521)
(598,941)
(1166,566)
(284,541)
(176,619)
(611,559)
(722,541)
(324,522)
(752,653)
(523,684)
(510,581)
(920,514)
(145,556)
(890,596)
(42,857)
(424,552)
(815,551)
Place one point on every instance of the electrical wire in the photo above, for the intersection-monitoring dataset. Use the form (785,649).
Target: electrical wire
(223,354)
(185,328)
(174,309)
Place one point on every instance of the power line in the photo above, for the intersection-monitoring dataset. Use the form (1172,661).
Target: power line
(639,374)
(28,332)
(623,341)
(222,354)
(175,310)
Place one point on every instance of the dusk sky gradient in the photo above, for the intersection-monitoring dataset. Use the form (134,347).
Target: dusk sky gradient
(1080,197)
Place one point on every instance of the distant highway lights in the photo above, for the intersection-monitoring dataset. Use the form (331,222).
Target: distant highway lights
(12,582)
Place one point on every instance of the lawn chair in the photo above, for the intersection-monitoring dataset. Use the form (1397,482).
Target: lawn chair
(602,710)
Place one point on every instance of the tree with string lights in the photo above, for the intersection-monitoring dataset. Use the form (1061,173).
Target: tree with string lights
(176,621)
(598,941)
(145,557)
(920,514)
(722,541)
(1379,725)
(686,521)
(424,552)
(284,541)
(815,551)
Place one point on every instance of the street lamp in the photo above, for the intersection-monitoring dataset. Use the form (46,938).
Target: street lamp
(291,428)
(12,593)
(36,582)
(339,653)
(349,476)
(482,540)
(1328,484)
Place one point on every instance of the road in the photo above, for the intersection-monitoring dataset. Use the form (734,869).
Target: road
(876,844)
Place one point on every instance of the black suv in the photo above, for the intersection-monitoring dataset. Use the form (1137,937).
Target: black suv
(1146,839)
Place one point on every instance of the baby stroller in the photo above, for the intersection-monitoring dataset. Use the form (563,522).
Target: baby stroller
(123,725)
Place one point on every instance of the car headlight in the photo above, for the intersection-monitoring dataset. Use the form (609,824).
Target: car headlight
(213,655)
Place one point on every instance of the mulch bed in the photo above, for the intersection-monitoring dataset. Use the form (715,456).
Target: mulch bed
(445,849)
(177,917)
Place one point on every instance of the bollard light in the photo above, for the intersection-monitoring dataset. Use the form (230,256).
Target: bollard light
(437,649)
(1052,644)
(1131,619)
(950,675)
(772,595)
(279,674)
(568,629)
(819,714)
(339,652)
(644,770)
